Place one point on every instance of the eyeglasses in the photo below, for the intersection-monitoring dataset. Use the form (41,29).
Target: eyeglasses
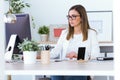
(73,17)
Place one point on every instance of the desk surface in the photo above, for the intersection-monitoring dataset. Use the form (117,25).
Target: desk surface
(61,68)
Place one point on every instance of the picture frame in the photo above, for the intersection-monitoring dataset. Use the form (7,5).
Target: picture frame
(55,31)
(102,22)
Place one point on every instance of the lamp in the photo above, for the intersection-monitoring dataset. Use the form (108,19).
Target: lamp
(9,17)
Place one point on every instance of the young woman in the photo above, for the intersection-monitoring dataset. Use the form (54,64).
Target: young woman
(79,34)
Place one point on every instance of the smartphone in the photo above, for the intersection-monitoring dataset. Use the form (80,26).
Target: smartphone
(81,53)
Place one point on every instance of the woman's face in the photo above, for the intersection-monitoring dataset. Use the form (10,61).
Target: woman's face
(74,18)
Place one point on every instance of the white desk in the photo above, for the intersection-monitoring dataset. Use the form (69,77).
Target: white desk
(61,68)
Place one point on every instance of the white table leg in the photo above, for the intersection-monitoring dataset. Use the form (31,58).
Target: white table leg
(108,77)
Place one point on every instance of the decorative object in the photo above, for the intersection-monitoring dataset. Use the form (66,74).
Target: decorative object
(29,49)
(9,17)
(43,31)
(55,31)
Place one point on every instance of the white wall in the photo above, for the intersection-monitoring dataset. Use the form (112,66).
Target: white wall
(2,41)
(46,12)
(55,11)
(116,23)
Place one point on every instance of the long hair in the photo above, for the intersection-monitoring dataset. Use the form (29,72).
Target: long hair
(84,22)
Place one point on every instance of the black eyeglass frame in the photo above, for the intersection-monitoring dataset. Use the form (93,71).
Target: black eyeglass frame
(72,17)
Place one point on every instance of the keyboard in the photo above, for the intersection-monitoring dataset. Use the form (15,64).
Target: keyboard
(104,58)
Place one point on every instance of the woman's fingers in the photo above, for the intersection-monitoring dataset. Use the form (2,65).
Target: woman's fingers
(71,55)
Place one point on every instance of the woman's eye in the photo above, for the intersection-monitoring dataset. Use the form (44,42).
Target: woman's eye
(74,16)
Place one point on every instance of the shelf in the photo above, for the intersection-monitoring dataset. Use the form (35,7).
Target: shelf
(106,44)
(48,42)
(100,43)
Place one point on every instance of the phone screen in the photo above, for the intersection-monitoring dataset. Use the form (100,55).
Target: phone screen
(81,53)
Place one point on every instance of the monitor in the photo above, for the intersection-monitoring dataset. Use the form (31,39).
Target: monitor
(21,29)
(106,49)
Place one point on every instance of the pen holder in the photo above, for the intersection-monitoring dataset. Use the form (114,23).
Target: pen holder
(45,57)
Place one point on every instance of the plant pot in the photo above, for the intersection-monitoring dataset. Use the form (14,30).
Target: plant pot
(29,57)
(44,37)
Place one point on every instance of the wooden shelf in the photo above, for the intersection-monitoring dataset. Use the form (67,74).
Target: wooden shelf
(100,43)
(48,42)
(105,43)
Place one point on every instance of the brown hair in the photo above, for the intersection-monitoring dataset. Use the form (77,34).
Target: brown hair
(84,23)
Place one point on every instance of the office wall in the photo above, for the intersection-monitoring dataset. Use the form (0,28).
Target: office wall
(2,38)
(46,12)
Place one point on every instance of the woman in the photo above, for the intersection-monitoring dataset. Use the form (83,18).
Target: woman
(79,34)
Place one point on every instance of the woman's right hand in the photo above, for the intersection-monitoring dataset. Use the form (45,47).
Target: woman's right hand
(71,55)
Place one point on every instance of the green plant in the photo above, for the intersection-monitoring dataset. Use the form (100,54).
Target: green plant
(43,30)
(16,6)
(28,45)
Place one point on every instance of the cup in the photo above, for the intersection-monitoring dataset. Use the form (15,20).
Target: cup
(45,57)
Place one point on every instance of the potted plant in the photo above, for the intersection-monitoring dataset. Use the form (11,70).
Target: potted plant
(44,32)
(16,6)
(29,49)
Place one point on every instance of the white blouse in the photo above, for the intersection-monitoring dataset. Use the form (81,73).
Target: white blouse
(65,46)
(74,43)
